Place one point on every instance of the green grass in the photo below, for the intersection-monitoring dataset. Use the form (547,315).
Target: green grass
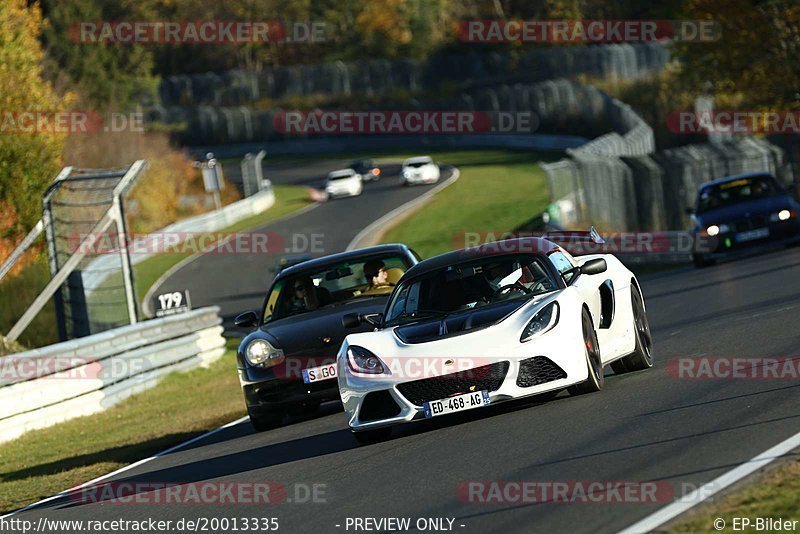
(17,292)
(498,191)
(43,462)
(774,495)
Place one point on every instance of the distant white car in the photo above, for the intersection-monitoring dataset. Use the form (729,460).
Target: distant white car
(419,170)
(344,183)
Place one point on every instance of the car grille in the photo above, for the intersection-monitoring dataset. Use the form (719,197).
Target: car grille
(488,377)
(538,370)
(750,223)
(378,405)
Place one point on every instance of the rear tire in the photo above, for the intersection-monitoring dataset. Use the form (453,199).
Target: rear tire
(642,356)
(594,382)
(262,422)
(367,437)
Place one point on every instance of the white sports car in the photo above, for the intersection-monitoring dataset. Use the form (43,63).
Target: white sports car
(419,170)
(343,183)
(479,326)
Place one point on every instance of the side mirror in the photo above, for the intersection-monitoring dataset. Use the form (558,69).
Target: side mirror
(374,319)
(351,320)
(595,266)
(246,319)
(354,320)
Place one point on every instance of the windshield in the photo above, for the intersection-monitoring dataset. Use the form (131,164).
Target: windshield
(417,164)
(737,191)
(470,285)
(335,284)
(340,176)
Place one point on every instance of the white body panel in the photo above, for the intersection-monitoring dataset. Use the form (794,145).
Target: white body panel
(413,173)
(563,344)
(352,185)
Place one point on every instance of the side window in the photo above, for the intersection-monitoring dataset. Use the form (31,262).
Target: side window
(563,264)
(272,301)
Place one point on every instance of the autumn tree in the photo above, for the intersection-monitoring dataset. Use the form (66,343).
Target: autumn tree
(28,161)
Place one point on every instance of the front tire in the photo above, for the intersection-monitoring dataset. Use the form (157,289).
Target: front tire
(594,382)
(262,422)
(642,357)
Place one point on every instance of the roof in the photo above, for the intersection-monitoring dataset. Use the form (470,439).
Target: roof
(726,179)
(341,172)
(418,159)
(520,245)
(326,261)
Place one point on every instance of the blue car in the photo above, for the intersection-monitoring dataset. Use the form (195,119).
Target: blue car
(739,213)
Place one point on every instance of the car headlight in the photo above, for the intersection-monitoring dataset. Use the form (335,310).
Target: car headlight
(712,230)
(543,321)
(361,360)
(260,352)
(783,215)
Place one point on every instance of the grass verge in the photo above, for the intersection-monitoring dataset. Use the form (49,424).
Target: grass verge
(498,191)
(774,495)
(43,462)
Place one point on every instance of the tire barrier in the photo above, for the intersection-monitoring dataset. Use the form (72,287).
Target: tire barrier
(381,76)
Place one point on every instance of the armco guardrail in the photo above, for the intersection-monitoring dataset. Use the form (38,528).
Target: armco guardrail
(46,386)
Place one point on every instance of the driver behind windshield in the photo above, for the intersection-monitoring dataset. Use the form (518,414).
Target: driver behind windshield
(304,296)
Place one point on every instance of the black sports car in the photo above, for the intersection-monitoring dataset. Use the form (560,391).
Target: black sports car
(288,363)
(367,168)
(739,212)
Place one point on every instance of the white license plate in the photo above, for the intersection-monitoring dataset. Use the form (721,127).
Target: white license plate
(750,235)
(318,374)
(458,403)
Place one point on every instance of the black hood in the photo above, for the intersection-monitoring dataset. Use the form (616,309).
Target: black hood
(457,323)
(319,333)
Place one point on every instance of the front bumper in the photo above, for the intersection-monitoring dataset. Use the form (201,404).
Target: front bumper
(278,394)
(391,400)
(780,234)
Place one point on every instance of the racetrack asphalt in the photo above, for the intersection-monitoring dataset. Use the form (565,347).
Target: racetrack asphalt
(644,426)
(238,282)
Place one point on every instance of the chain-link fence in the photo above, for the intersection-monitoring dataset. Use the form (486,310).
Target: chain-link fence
(84,218)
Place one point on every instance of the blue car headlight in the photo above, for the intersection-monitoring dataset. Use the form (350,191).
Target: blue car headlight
(543,321)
